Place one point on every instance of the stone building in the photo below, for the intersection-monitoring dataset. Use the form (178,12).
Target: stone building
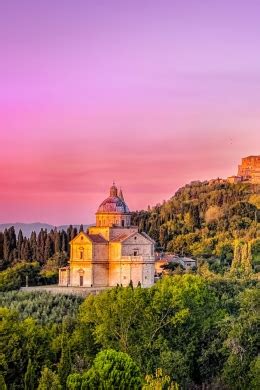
(234,179)
(250,169)
(162,260)
(111,252)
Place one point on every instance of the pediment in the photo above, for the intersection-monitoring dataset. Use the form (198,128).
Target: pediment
(137,238)
(81,239)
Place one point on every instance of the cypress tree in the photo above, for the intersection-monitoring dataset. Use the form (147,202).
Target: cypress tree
(2,383)
(69,233)
(19,244)
(81,228)
(64,365)
(64,241)
(74,232)
(29,378)
(48,250)
(26,250)
(57,241)
(6,245)
(33,245)
(236,262)
(12,237)
(246,258)
(41,245)
(1,250)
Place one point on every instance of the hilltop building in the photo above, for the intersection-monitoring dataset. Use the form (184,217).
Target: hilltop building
(112,252)
(248,171)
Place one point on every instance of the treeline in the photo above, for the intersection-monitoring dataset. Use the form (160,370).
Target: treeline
(203,220)
(185,332)
(40,248)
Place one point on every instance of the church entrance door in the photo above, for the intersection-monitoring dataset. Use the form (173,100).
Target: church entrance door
(81,280)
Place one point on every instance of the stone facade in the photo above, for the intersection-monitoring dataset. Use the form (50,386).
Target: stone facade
(249,170)
(112,252)
(234,179)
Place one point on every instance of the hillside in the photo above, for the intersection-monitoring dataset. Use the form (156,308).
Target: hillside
(203,219)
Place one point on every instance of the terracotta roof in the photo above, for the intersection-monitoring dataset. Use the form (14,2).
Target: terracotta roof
(125,236)
(97,238)
(148,237)
(92,237)
(121,237)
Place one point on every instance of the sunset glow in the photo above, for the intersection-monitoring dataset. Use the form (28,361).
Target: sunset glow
(150,94)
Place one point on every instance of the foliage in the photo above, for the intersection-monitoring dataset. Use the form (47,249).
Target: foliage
(199,329)
(9,280)
(64,365)
(2,383)
(44,307)
(74,381)
(49,380)
(204,219)
(112,369)
(18,275)
(29,378)
(53,246)
(159,382)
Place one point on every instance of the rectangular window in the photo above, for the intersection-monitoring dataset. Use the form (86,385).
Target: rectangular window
(81,280)
(135,253)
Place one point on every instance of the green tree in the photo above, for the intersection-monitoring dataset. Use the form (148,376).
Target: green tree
(57,241)
(29,378)
(48,250)
(112,370)
(49,380)
(64,366)
(246,258)
(241,342)
(33,246)
(74,381)
(19,243)
(2,383)
(254,374)
(159,382)
(236,262)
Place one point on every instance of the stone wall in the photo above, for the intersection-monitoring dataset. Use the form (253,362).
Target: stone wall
(250,169)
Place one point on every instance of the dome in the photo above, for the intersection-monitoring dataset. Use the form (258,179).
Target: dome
(114,203)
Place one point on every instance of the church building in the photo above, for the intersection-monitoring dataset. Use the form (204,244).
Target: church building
(111,252)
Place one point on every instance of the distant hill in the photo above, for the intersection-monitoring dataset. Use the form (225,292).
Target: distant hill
(27,228)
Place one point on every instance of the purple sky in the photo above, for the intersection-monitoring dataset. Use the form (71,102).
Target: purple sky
(152,94)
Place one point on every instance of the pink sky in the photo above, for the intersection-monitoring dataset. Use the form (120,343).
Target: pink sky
(149,94)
